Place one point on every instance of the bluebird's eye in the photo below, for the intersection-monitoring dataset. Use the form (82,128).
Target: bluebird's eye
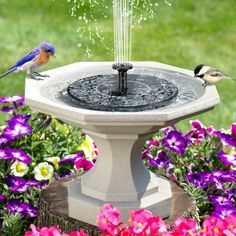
(47,50)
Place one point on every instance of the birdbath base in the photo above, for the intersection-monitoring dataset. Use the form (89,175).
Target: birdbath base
(119,177)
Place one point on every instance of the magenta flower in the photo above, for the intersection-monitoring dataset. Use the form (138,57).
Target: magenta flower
(184,227)
(139,221)
(17,130)
(175,142)
(212,226)
(52,231)
(229,139)
(197,133)
(19,155)
(2,197)
(86,164)
(152,143)
(228,159)
(108,220)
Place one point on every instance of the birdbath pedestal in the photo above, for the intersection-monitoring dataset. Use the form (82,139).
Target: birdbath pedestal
(119,176)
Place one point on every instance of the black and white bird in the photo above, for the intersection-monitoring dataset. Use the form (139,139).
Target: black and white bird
(209,74)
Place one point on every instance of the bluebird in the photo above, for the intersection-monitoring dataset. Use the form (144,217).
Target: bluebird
(34,60)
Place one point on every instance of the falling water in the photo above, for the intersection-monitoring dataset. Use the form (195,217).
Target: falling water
(126,15)
(123,19)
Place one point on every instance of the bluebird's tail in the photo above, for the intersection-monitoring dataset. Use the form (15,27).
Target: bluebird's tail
(8,72)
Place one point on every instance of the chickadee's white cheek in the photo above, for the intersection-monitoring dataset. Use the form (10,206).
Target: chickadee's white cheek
(204,70)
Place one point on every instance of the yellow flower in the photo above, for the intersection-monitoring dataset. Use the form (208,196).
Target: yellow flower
(87,147)
(229,149)
(43,171)
(53,160)
(19,168)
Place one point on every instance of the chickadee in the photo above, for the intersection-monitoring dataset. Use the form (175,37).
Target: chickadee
(210,75)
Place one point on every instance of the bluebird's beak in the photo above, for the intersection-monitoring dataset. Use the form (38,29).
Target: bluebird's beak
(53,56)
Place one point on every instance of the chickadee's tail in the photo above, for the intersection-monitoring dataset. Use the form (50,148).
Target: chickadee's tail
(226,77)
(7,72)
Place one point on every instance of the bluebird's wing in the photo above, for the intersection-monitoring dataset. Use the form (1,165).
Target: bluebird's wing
(28,57)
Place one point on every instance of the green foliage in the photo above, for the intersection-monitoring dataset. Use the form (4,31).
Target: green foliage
(12,225)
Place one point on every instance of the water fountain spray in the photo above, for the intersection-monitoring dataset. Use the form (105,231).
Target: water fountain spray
(122,18)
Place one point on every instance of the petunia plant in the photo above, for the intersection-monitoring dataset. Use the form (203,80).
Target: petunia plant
(35,149)
(202,161)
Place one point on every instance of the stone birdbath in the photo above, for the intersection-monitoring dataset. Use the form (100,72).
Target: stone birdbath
(119,175)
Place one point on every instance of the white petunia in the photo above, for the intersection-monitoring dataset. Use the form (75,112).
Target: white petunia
(43,171)
(19,169)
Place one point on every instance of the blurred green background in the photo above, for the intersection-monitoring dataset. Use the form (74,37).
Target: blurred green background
(184,35)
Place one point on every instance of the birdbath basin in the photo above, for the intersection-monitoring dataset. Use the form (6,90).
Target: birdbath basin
(119,175)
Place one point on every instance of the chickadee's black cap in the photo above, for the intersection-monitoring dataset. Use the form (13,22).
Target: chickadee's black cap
(198,68)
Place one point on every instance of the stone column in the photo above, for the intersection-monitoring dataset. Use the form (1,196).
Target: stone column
(119,177)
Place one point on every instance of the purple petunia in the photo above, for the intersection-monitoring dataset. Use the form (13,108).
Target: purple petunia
(228,159)
(25,210)
(17,130)
(2,197)
(175,142)
(19,119)
(4,154)
(16,184)
(71,158)
(12,99)
(222,212)
(4,141)
(229,139)
(167,129)
(226,176)
(199,180)
(14,206)
(28,211)
(19,155)
(222,201)
(161,160)
(8,110)
(146,154)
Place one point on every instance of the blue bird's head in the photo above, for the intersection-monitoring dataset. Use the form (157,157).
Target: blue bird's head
(48,48)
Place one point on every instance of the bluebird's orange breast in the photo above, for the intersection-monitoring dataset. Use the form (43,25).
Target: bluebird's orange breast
(42,59)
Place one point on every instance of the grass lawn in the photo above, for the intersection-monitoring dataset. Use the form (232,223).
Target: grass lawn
(186,34)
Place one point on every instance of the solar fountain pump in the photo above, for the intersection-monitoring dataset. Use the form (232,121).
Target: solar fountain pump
(122,69)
